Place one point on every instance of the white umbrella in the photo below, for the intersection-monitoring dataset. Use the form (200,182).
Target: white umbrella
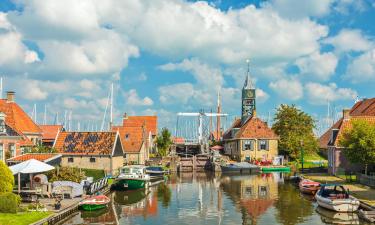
(29,167)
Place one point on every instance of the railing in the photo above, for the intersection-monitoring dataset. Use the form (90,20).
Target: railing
(98,185)
(366,180)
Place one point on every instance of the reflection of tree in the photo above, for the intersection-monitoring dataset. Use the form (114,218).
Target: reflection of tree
(164,194)
(292,208)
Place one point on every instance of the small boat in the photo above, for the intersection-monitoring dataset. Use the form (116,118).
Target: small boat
(266,169)
(309,187)
(156,171)
(94,203)
(335,197)
(242,167)
(369,216)
(132,178)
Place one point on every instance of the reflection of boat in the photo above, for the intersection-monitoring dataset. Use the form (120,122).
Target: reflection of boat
(336,198)
(310,187)
(275,169)
(242,167)
(332,217)
(95,214)
(369,216)
(94,203)
(132,178)
(129,197)
(156,171)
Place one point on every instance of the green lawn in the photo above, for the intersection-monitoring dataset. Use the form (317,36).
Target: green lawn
(311,161)
(23,218)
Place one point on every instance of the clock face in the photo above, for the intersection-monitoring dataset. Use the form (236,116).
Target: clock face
(250,94)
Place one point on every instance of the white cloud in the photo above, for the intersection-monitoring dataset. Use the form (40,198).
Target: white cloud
(176,93)
(299,9)
(142,77)
(290,89)
(261,95)
(319,94)
(362,68)
(318,66)
(132,98)
(349,40)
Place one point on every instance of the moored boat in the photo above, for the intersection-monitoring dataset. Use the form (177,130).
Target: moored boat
(156,171)
(275,169)
(242,167)
(307,186)
(132,178)
(94,203)
(335,197)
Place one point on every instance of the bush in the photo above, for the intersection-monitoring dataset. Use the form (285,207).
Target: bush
(6,178)
(96,174)
(66,173)
(9,202)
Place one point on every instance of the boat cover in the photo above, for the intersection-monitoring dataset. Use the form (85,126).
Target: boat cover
(77,189)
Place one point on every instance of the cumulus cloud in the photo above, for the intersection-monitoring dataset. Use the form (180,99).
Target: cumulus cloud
(349,40)
(362,68)
(318,66)
(261,95)
(176,93)
(319,94)
(290,89)
(132,98)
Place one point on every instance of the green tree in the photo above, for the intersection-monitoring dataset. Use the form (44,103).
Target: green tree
(293,127)
(163,142)
(6,178)
(43,149)
(359,143)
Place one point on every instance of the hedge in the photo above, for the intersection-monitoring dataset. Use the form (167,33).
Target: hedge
(9,202)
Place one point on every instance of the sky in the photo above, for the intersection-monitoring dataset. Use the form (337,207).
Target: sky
(169,56)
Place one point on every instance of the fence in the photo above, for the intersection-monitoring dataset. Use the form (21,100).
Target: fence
(366,179)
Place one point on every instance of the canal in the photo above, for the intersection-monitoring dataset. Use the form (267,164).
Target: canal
(205,198)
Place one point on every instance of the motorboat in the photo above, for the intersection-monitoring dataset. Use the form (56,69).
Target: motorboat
(156,171)
(94,203)
(132,178)
(241,167)
(309,187)
(335,197)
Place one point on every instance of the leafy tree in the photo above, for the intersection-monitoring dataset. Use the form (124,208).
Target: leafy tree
(293,127)
(163,142)
(359,143)
(66,173)
(6,178)
(43,149)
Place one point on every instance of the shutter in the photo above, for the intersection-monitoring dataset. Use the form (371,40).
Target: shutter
(258,144)
(267,145)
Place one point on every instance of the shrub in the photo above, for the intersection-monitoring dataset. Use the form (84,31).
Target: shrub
(6,178)
(9,202)
(96,174)
(66,173)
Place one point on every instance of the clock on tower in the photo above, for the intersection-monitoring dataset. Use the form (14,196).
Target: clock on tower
(248,98)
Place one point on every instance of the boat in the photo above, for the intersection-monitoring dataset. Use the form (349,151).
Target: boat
(156,171)
(309,187)
(266,169)
(94,203)
(368,216)
(242,167)
(132,178)
(336,198)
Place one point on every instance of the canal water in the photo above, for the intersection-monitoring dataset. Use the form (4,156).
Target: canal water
(206,198)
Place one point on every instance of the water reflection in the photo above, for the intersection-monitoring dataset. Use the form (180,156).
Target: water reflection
(207,198)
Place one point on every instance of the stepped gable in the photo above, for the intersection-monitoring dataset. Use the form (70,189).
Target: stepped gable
(86,143)
(132,138)
(17,118)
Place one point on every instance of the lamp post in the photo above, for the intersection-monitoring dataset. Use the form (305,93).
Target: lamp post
(302,155)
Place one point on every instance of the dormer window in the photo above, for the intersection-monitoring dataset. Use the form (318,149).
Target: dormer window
(127,136)
(2,123)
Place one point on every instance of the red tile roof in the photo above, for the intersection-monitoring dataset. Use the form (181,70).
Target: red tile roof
(150,123)
(255,128)
(228,133)
(178,140)
(132,138)
(365,107)
(85,143)
(37,156)
(324,139)
(49,132)
(17,118)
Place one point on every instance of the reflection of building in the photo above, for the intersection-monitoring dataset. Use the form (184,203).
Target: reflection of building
(249,137)
(146,207)
(253,195)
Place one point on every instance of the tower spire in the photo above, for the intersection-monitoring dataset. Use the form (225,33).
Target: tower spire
(248,84)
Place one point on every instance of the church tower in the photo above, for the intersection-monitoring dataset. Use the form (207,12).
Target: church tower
(248,97)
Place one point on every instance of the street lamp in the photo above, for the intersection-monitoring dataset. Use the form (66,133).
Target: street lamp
(302,154)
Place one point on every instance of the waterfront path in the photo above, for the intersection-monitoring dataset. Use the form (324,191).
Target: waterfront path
(362,192)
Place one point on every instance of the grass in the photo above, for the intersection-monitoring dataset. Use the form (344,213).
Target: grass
(22,218)
(311,161)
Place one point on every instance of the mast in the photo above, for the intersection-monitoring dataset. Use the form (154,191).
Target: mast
(34,114)
(1,87)
(111,109)
(45,115)
(218,121)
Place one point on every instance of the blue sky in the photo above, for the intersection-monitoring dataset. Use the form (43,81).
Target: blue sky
(170,56)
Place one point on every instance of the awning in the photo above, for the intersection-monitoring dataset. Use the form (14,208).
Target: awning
(31,166)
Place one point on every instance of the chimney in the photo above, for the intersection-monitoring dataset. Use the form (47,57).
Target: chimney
(346,114)
(10,96)
(124,117)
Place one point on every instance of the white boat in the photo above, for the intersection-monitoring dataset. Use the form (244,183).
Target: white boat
(335,197)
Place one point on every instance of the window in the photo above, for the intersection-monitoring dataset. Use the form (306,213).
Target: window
(263,145)
(12,150)
(70,159)
(263,190)
(92,159)
(248,145)
(2,123)
(1,151)
(127,136)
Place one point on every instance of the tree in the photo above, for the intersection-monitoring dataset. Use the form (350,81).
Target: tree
(293,127)
(359,143)
(6,178)
(163,142)
(43,149)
